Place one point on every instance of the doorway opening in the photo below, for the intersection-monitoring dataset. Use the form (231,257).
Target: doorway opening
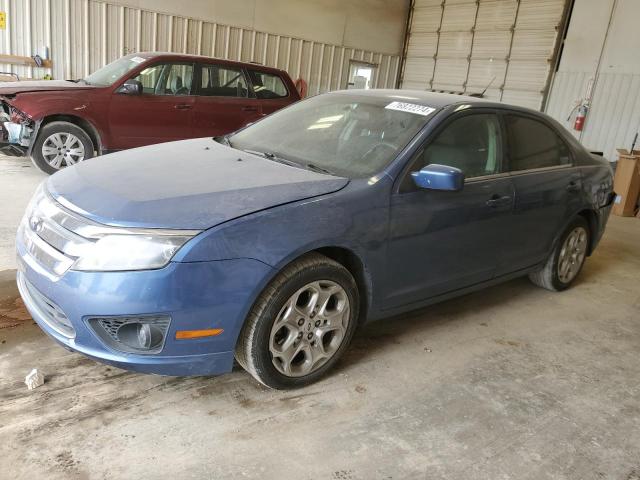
(361,75)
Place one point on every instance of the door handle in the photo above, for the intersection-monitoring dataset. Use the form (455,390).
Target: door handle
(249,109)
(182,106)
(573,186)
(497,201)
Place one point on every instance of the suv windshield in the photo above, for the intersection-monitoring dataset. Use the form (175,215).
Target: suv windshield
(108,74)
(349,135)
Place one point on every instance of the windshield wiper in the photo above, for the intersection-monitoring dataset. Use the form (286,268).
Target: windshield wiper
(316,168)
(274,157)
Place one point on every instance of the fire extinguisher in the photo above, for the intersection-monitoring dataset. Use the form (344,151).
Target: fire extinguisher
(578,125)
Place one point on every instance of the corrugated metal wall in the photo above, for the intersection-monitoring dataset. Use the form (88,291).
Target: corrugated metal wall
(614,117)
(601,48)
(84,35)
(461,45)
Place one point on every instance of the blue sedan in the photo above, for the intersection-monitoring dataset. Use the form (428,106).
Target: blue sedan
(273,244)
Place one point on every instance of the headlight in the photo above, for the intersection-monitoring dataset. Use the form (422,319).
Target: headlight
(129,252)
(60,239)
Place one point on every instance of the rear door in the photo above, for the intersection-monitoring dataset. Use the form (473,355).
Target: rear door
(270,90)
(162,113)
(442,241)
(224,102)
(547,189)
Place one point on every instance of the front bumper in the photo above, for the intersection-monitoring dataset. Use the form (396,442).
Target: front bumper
(17,132)
(195,296)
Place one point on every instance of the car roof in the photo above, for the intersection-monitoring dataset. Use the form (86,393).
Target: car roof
(432,99)
(203,58)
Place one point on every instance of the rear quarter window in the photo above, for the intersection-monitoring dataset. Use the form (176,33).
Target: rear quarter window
(267,85)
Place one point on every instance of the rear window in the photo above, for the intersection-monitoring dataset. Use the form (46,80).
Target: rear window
(267,85)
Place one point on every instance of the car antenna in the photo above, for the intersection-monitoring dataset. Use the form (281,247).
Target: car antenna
(481,95)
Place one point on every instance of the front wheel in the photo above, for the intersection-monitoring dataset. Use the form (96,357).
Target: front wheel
(566,260)
(59,145)
(301,324)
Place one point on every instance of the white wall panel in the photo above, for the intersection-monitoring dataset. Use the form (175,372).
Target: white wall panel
(471,43)
(601,49)
(83,35)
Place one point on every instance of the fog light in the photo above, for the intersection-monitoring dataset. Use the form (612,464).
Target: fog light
(144,336)
(140,336)
(132,334)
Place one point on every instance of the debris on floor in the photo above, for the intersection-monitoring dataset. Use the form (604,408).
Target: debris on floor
(34,379)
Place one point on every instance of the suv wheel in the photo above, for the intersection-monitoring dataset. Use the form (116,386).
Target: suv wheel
(566,260)
(59,145)
(301,323)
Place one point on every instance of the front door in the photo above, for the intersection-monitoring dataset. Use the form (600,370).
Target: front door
(162,113)
(443,241)
(224,103)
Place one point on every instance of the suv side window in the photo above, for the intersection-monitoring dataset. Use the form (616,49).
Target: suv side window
(166,79)
(471,143)
(267,85)
(532,144)
(221,81)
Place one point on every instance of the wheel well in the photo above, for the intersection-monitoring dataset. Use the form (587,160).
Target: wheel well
(352,262)
(592,220)
(80,122)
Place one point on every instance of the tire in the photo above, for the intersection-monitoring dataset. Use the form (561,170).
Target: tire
(554,276)
(261,334)
(55,135)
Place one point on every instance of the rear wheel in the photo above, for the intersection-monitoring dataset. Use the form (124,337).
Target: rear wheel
(566,260)
(59,145)
(301,324)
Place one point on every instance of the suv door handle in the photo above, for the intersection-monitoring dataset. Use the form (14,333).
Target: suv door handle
(182,106)
(249,109)
(497,201)
(573,186)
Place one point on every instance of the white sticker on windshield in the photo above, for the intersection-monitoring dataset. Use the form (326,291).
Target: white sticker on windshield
(411,108)
(137,59)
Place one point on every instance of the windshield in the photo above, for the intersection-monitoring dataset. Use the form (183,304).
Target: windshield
(349,135)
(108,74)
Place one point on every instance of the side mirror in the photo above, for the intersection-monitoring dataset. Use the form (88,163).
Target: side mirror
(131,87)
(439,177)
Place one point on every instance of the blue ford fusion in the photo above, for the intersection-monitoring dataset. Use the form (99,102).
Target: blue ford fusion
(272,245)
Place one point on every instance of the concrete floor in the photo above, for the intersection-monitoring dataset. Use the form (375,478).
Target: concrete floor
(513,382)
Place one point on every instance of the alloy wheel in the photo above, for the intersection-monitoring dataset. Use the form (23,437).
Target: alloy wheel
(572,254)
(62,150)
(309,328)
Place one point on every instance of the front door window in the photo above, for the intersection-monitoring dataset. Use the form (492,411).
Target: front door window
(166,79)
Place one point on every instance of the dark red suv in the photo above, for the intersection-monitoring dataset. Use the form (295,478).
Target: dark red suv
(140,99)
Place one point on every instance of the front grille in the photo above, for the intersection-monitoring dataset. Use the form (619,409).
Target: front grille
(50,236)
(47,311)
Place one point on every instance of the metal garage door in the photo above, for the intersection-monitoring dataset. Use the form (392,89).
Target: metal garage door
(463,46)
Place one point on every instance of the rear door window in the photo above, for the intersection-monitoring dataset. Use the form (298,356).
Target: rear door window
(532,144)
(221,81)
(267,85)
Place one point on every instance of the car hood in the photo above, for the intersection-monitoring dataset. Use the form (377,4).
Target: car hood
(191,184)
(11,88)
